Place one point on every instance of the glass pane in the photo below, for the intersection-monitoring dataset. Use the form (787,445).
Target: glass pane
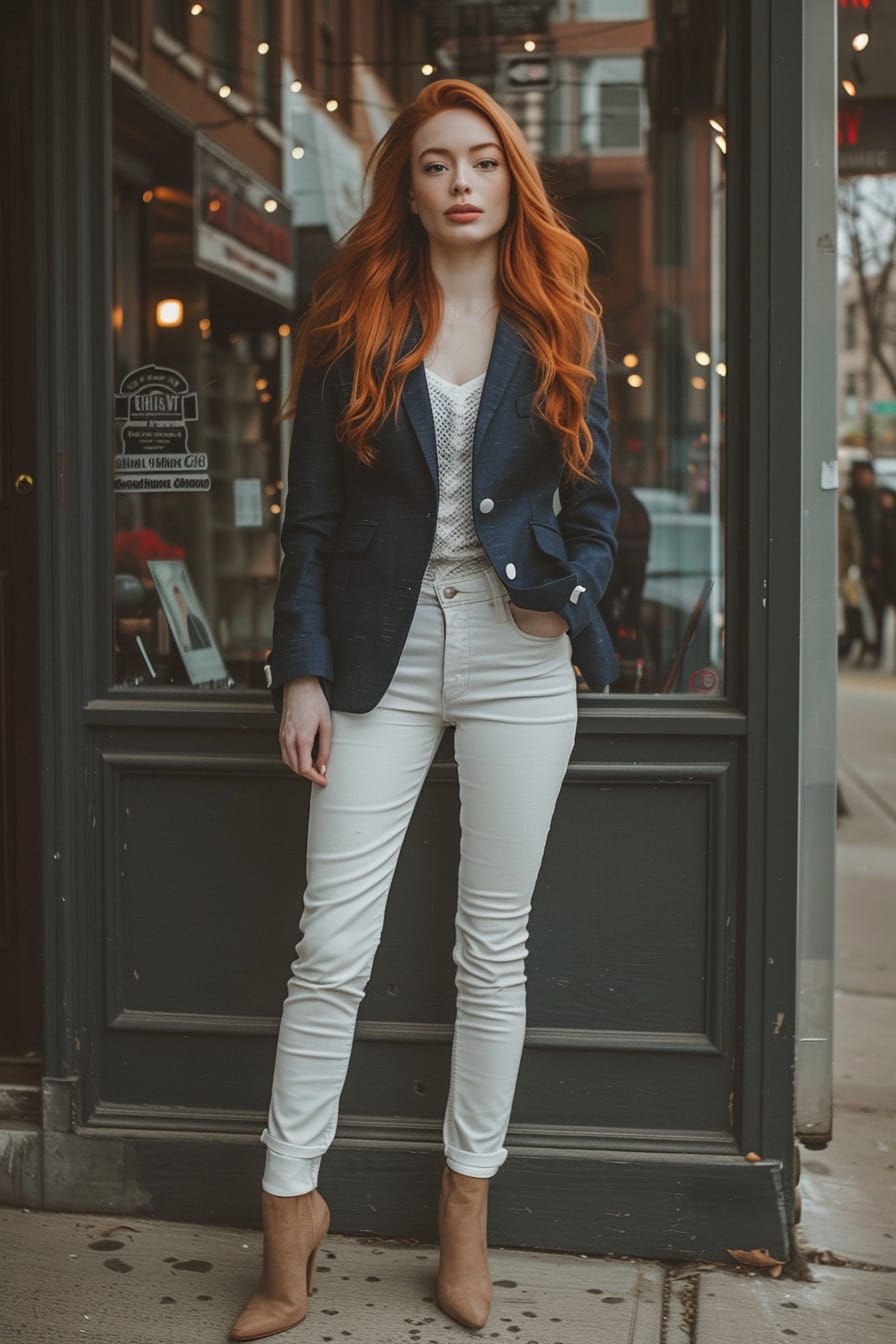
(653,214)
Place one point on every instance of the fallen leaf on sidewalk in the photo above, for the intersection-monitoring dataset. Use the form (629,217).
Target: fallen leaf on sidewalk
(759,1260)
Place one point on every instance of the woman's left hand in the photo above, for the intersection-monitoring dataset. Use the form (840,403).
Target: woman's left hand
(544,624)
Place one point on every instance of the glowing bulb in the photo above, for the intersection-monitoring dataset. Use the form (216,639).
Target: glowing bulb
(147,197)
(117,317)
(703,358)
(214,205)
(270,205)
(722,143)
(529,45)
(263,48)
(169,313)
(630,361)
(205,324)
(265,396)
(717,125)
(635,380)
(722,370)
(332,104)
(860,41)
(275,508)
(296,86)
(225,91)
(196,10)
(427,69)
(298,151)
(848,87)
(283,329)
(698,383)
(260,384)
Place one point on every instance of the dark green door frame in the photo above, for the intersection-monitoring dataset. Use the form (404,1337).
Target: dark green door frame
(94,1156)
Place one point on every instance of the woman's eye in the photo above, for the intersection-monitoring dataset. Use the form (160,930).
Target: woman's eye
(433,167)
(487,163)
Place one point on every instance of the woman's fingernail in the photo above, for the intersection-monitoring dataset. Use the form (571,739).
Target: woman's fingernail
(323,769)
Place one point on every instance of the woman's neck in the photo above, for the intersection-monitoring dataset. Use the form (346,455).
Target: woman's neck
(468,283)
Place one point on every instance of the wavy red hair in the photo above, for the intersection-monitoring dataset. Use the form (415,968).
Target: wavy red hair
(365,299)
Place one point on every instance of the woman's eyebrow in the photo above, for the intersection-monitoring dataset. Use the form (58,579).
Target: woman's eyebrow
(474,149)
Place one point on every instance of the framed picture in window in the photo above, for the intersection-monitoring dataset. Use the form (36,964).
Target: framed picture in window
(188,622)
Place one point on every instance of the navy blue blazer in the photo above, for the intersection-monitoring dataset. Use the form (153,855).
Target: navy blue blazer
(356,539)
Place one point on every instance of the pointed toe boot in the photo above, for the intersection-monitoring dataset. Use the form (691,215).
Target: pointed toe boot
(464,1285)
(294,1227)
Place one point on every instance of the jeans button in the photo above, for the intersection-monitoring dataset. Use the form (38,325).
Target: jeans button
(449,592)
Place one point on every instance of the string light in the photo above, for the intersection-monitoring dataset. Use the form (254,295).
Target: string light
(699,384)
(722,143)
(263,48)
(148,196)
(332,104)
(529,45)
(284,329)
(296,86)
(169,313)
(196,10)
(722,370)
(270,205)
(298,151)
(717,125)
(630,361)
(703,358)
(427,69)
(635,380)
(848,87)
(860,41)
(225,91)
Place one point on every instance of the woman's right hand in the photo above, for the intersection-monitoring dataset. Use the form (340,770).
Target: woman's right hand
(305,716)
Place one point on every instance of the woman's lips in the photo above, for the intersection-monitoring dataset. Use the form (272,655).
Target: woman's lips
(463,216)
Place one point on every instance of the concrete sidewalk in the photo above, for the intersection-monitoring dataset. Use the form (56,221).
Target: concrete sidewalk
(68,1278)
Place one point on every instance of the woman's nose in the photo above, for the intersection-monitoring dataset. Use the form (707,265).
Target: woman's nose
(460,182)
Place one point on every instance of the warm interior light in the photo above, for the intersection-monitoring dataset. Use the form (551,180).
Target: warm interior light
(196,10)
(698,383)
(427,69)
(848,87)
(722,370)
(635,380)
(283,329)
(630,361)
(214,205)
(169,313)
(298,151)
(717,125)
(261,384)
(529,45)
(860,41)
(332,104)
(275,508)
(722,143)
(147,197)
(296,86)
(225,91)
(270,205)
(117,317)
(265,396)
(703,358)
(205,324)
(263,48)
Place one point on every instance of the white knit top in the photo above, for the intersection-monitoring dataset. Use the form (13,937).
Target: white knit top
(456,549)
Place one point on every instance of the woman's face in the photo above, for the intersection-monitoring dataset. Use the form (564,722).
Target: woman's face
(460,182)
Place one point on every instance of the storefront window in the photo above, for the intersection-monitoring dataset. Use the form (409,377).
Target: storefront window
(213,260)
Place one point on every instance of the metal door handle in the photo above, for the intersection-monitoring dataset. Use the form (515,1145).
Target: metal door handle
(24,484)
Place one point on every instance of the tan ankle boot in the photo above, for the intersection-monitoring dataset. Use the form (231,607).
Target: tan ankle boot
(294,1227)
(464,1286)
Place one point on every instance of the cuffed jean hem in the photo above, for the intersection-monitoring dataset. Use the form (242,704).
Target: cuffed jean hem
(474,1164)
(287,1170)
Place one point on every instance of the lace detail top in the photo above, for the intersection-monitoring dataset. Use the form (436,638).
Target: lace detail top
(456,549)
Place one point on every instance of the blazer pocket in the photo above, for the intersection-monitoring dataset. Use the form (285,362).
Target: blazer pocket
(549,539)
(352,538)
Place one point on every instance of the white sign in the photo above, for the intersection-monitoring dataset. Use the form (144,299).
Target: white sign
(247,502)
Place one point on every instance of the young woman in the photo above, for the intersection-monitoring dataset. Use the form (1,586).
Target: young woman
(449,532)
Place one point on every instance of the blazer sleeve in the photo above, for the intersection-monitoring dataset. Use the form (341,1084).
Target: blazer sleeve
(589,509)
(314,507)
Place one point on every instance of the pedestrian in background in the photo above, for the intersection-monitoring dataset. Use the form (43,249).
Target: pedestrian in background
(449,532)
(864,495)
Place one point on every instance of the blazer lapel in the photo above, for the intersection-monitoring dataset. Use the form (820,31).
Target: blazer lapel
(506,351)
(415,399)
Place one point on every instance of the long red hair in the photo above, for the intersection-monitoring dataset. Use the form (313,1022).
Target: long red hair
(365,298)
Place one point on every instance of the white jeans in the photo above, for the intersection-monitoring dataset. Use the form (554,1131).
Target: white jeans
(511,698)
